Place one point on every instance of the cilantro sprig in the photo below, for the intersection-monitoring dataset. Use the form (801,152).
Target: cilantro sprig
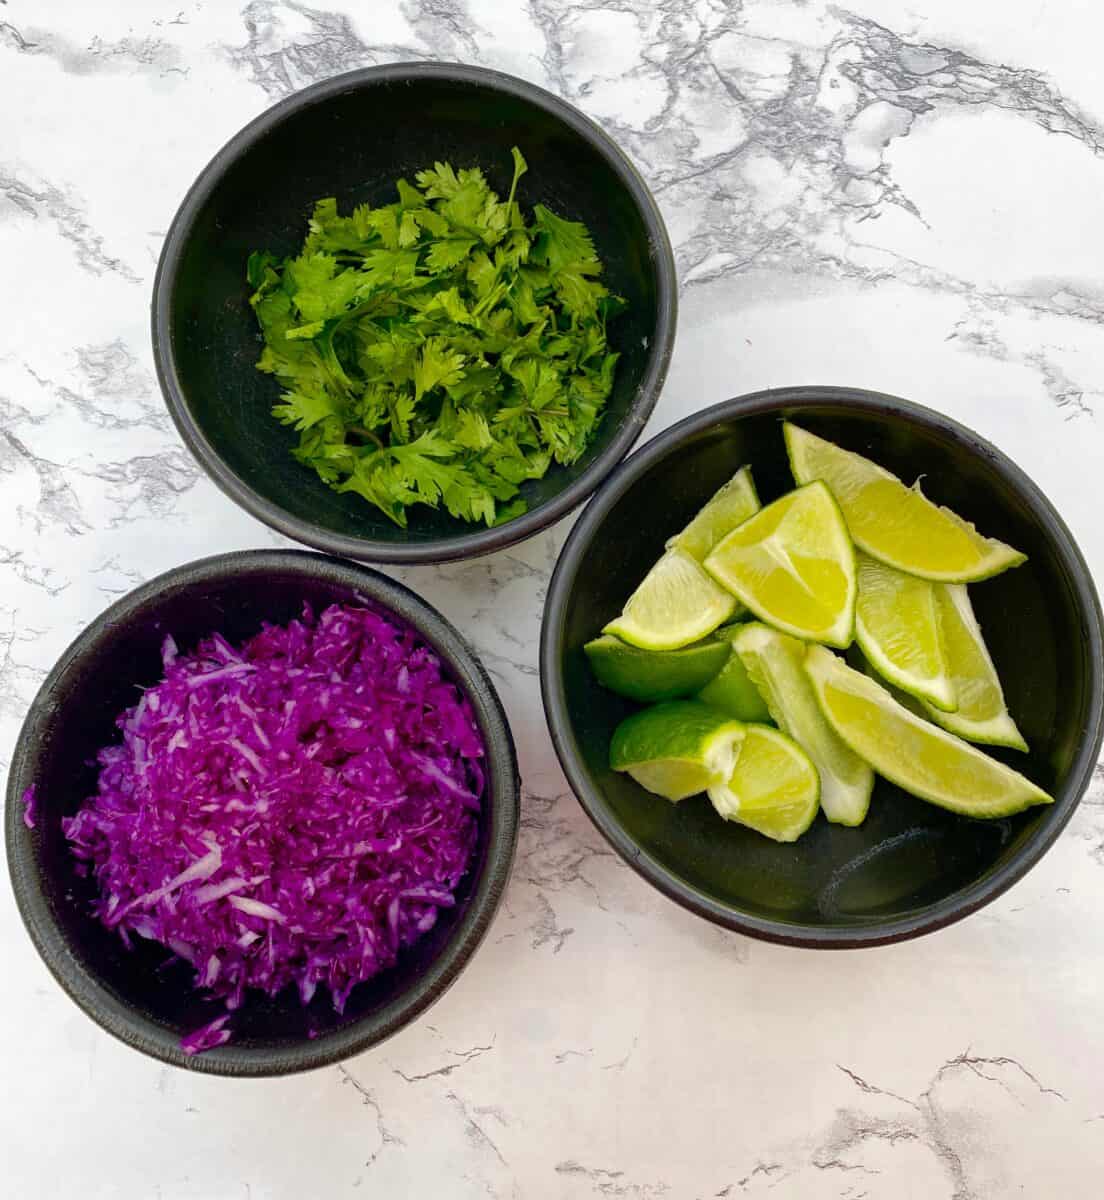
(441,349)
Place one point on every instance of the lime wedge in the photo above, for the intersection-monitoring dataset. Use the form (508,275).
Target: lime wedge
(897,627)
(911,752)
(982,715)
(895,524)
(793,565)
(731,689)
(649,675)
(677,749)
(775,664)
(676,604)
(730,506)
(774,789)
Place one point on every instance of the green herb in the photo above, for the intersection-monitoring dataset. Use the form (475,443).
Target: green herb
(438,350)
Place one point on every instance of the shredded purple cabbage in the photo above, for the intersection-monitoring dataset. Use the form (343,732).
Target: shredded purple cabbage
(29,807)
(290,813)
(208,1036)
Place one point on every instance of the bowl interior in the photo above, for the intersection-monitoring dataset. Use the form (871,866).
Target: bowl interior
(909,858)
(76,718)
(354,145)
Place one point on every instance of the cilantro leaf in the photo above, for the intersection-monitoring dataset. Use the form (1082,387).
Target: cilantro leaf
(440,182)
(408,229)
(447,253)
(473,432)
(260,270)
(302,410)
(560,243)
(577,294)
(436,365)
(481,274)
(382,267)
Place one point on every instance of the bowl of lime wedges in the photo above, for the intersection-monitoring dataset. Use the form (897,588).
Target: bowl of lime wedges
(825,667)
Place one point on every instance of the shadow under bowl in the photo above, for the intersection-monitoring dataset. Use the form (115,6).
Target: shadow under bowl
(132,994)
(910,867)
(352,137)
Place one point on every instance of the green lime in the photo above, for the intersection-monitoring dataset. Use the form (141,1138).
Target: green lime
(676,604)
(731,505)
(731,689)
(775,664)
(793,565)
(895,524)
(677,749)
(981,715)
(649,675)
(911,752)
(897,626)
(774,789)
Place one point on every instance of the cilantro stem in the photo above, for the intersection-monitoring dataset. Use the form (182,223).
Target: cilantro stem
(360,431)
(496,293)
(356,313)
(520,167)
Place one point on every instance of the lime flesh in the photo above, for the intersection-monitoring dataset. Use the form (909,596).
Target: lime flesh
(775,664)
(793,565)
(898,628)
(677,749)
(676,604)
(730,506)
(651,675)
(774,788)
(893,523)
(981,715)
(919,757)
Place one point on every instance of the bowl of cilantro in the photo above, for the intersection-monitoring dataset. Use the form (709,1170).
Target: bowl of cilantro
(414,313)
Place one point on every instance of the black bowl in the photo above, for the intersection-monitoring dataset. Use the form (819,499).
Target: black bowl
(128,992)
(352,137)
(910,867)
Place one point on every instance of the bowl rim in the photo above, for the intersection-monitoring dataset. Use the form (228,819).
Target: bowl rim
(951,908)
(464,545)
(136,1029)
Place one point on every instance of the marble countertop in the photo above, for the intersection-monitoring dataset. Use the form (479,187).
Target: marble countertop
(897,195)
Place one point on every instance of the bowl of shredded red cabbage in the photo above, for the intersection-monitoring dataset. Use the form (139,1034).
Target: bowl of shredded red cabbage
(285,818)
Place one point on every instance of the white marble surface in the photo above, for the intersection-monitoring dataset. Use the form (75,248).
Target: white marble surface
(886,193)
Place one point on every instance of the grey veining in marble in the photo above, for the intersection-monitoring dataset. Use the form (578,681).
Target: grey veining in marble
(878,193)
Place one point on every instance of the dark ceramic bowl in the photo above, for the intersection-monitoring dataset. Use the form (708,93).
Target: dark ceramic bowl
(128,992)
(910,867)
(352,137)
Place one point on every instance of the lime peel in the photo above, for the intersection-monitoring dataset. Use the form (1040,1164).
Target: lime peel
(732,689)
(677,749)
(653,675)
